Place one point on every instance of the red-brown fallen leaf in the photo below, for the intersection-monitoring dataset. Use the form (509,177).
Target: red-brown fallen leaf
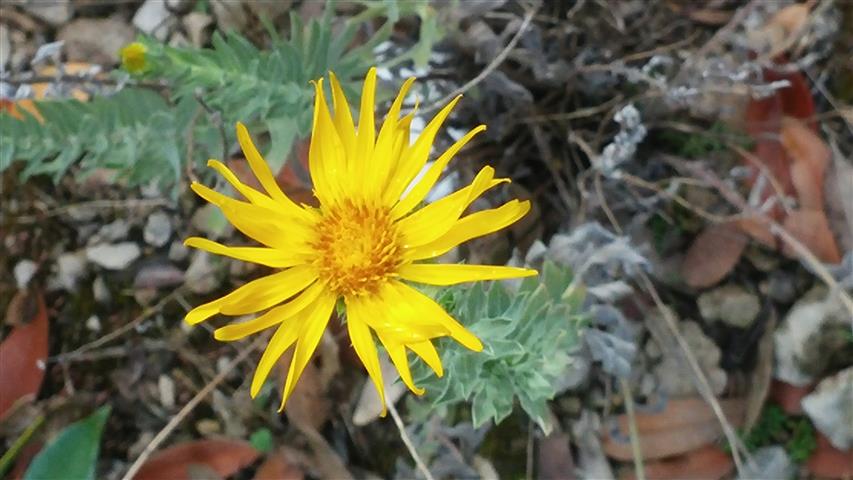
(666,434)
(810,157)
(829,462)
(811,228)
(770,158)
(788,396)
(554,460)
(759,230)
(796,98)
(277,467)
(23,352)
(713,254)
(706,463)
(225,457)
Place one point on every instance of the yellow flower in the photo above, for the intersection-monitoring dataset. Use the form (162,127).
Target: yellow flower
(133,57)
(362,244)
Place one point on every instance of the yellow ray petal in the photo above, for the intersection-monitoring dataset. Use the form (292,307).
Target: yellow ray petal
(264,174)
(383,161)
(311,331)
(426,350)
(416,157)
(422,188)
(236,331)
(285,335)
(248,192)
(326,154)
(441,274)
(358,311)
(397,352)
(272,228)
(428,309)
(271,257)
(435,219)
(256,295)
(471,226)
(343,118)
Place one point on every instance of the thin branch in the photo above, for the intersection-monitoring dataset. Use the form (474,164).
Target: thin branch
(185,411)
(499,58)
(636,451)
(408,441)
(148,312)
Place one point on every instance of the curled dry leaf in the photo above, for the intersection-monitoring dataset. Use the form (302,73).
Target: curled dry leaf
(810,157)
(713,254)
(684,425)
(223,456)
(23,352)
(811,228)
(706,463)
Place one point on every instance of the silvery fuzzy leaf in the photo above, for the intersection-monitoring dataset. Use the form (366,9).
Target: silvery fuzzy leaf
(611,291)
(614,353)
(591,245)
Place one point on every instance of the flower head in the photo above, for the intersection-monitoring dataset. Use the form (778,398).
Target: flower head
(133,57)
(362,244)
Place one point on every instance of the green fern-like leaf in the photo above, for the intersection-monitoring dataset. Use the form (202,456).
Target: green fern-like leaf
(148,137)
(103,133)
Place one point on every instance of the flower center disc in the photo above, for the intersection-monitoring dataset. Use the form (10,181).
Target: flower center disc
(357,248)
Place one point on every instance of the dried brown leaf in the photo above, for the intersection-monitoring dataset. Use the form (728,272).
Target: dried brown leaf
(713,254)
(811,228)
(223,456)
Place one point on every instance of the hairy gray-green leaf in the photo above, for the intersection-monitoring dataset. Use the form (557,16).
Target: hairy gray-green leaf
(527,336)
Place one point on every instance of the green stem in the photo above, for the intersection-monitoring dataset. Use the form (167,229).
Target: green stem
(8,457)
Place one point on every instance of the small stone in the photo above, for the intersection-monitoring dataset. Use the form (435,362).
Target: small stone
(673,374)
(202,276)
(95,40)
(93,323)
(769,462)
(810,337)
(69,268)
(158,229)
(731,304)
(196,25)
(763,260)
(158,275)
(166,387)
(154,19)
(178,252)
(5,46)
(111,232)
(179,6)
(208,426)
(100,290)
(53,12)
(780,287)
(117,256)
(830,408)
(23,272)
